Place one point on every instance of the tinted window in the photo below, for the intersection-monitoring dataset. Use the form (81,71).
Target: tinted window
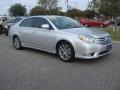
(27,23)
(38,22)
(64,22)
(16,20)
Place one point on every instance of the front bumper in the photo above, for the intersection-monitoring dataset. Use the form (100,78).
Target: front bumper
(92,51)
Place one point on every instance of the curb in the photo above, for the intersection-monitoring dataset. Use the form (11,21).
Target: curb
(116,41)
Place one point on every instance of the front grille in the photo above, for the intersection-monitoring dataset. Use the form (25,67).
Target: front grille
(104,40)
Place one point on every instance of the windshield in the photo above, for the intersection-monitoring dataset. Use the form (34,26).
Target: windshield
(64,22)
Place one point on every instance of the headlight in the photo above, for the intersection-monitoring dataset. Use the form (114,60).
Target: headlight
(87,39)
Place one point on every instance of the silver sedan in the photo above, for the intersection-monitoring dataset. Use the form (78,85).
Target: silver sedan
(60,35)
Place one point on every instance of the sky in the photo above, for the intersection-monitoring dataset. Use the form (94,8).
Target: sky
(5,4)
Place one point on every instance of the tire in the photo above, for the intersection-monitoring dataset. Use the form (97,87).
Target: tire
(101,25)
(65,51)
(86,25)
(17,43)
(6,33)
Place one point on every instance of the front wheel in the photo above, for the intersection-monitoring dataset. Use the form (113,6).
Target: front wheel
(65,51)
(17,43)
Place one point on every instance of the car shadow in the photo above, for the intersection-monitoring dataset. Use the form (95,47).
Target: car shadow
(40,52)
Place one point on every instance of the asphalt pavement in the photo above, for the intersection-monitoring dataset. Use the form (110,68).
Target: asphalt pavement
(30,69)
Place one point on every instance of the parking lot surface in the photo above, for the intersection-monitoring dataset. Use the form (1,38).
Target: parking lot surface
(30,69)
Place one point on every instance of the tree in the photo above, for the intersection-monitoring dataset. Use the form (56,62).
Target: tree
(112,7)
(38,11)
(55,11)
(94,5)
(48,4)
(108,7)
(17,10)
(88,13)
(74,13)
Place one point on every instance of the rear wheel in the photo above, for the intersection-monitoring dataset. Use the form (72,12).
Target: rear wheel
(101,25)
(86,25)
(65,51)
(6,32)
(17,43)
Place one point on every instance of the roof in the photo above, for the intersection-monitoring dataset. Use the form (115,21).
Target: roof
(47,16)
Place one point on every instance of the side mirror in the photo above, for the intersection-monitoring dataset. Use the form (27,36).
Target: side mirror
(45,26)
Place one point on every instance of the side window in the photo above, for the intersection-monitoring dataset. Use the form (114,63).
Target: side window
(38,22)
(27,23)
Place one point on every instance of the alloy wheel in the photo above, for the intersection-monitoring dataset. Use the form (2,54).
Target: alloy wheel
(65,52)
(17,43)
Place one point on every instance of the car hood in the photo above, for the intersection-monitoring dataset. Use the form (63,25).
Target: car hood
(90,32)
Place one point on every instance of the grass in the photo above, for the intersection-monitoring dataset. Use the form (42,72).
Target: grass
(114,34)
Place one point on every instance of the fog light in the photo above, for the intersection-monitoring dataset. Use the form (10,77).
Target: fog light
(92,54)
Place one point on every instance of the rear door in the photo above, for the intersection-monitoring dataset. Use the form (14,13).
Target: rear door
(26,32)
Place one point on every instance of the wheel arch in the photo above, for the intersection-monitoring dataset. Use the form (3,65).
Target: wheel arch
(14,37)
(63,40)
